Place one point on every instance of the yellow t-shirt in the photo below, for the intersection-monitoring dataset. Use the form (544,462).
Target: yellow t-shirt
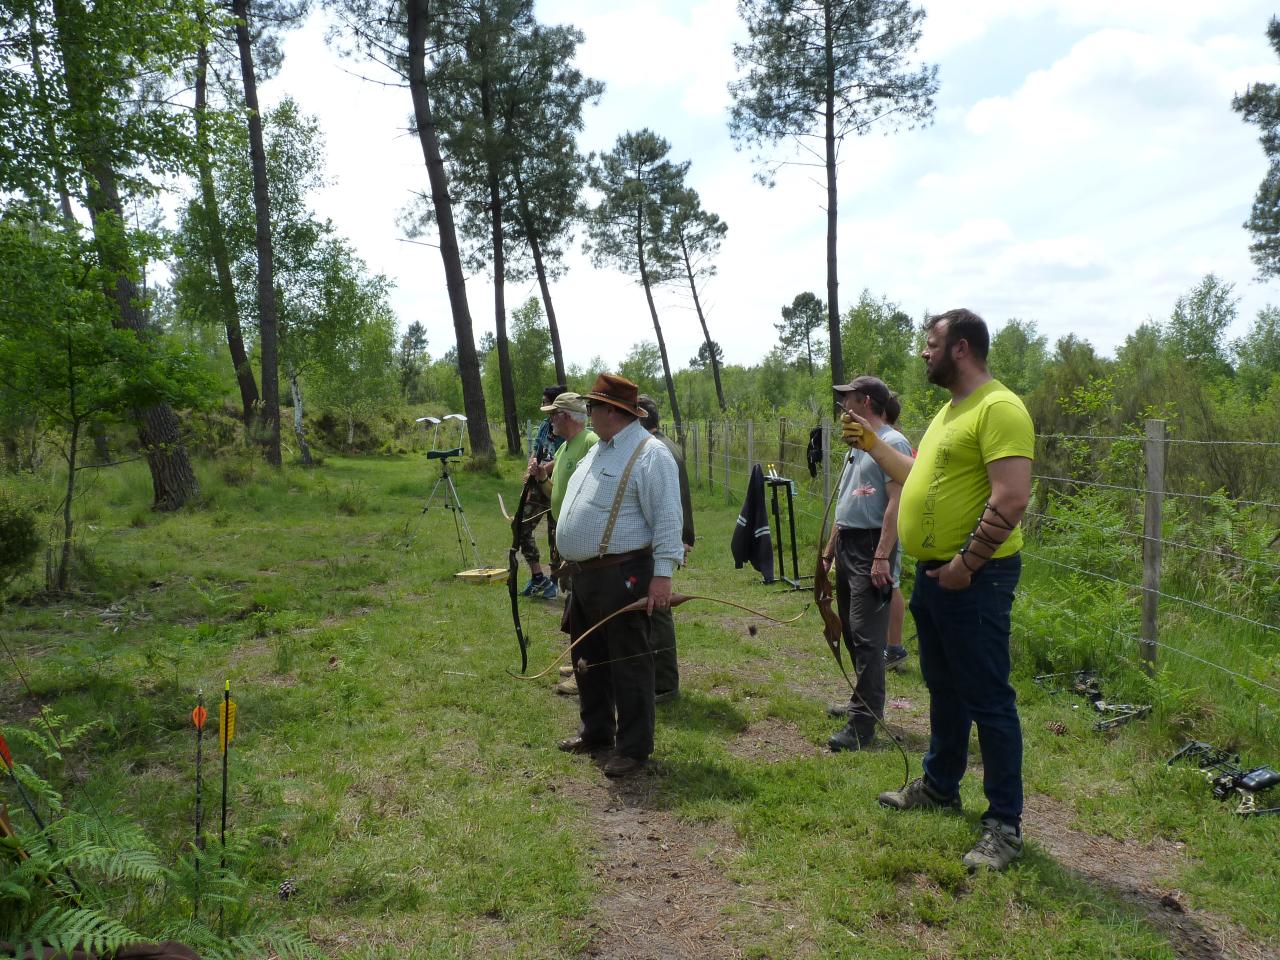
(948,486)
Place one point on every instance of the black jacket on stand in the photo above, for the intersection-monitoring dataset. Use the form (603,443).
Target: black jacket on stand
(752,542)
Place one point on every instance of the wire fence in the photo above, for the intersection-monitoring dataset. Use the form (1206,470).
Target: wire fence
(1171,543)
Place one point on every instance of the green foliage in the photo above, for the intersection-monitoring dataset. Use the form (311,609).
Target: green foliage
(803,320)
(1260,105)
(19,540)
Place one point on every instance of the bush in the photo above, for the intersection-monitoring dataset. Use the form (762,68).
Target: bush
(19,540)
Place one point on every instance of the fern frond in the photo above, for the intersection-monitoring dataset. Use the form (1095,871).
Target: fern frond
(67,929)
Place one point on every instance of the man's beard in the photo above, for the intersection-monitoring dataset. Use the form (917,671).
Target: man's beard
(943,374)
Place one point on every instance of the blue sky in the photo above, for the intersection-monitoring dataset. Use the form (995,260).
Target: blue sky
(1084,168)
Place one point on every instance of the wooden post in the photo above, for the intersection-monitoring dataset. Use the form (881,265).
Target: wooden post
(826,464)
(751,445)
(782,445)
(697,476)
(711,458)
(728,497)
(1152,528)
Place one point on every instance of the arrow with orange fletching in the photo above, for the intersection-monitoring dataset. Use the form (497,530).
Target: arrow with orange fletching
(639,605)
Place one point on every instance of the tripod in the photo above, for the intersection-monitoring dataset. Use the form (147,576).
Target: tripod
(445,486)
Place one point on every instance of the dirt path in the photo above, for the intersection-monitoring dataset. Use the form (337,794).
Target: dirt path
(664,885)
(662,880)
(1141,874)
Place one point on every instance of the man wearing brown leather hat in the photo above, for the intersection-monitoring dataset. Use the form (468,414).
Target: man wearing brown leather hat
(619,533)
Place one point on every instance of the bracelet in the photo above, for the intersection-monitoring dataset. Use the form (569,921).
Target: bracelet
(828,557)
(885,559)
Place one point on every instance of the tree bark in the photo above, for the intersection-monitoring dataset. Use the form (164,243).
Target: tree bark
(657,329)
(419,14)
(50,133)
(268,324)
(829,113)
(706,334)
(535,247)
(173,480)
(505,378)
(218,247)
(304,451)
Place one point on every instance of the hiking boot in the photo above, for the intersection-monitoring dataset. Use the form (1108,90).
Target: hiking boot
(849,739)
(546,591)
(840,708)
(568,688)
(535,585)
(894,657)
(620,766)
(566,671)
(918,795)
(998,846)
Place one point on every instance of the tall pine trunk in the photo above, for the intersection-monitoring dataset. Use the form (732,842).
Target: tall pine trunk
(833,284)
(657,329)
(268,323)
(535,247)
(706,334)
(218,246)
(173,480)
(419,14)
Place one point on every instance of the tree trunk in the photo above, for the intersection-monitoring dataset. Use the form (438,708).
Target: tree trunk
(63,579)
(535,247)
(419,13)
(50,133)
(706,334)
(173,480)
(351,429)
(304,451)
(268,324)
(662,344)
(218,247)
(833,300)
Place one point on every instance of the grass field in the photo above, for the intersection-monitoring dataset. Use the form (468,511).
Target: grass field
(412,789)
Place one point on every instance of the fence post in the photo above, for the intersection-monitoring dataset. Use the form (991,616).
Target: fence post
(1152,528)
(711,457)
(751,445)
(728,497)
(782,445)
(697,477)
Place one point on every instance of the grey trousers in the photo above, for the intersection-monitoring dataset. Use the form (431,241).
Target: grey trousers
(864,623)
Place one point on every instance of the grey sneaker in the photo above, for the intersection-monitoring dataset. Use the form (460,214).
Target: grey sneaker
(998,846)
(917,795)
(894,657)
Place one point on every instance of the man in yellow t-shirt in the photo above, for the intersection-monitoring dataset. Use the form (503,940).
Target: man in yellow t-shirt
(962,500)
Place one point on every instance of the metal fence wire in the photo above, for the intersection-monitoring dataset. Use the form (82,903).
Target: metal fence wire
(721,453)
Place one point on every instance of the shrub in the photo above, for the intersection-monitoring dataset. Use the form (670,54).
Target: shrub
(19,540)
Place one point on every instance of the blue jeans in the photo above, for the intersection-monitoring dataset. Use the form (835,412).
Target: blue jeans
(964,658)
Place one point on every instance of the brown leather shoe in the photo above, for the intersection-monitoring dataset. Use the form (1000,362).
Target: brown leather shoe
(620,766)
(579,744)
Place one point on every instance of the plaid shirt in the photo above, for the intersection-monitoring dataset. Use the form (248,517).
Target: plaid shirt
(650,514)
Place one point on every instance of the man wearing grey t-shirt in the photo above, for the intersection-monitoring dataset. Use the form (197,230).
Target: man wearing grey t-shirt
(864,552)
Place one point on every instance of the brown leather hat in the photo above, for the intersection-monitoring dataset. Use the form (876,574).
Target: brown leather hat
(616,391)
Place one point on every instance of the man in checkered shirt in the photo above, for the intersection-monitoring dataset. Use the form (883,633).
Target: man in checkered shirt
(620,548)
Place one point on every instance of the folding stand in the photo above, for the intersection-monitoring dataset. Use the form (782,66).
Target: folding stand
(793,581)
